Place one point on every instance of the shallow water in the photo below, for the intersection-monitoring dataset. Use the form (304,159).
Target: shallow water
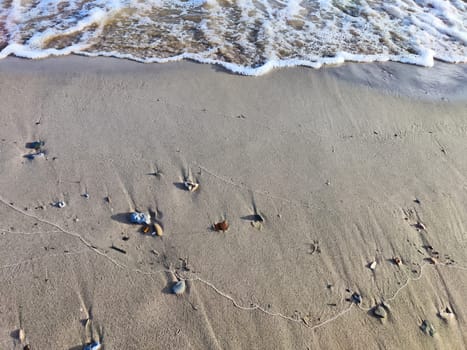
(245,36)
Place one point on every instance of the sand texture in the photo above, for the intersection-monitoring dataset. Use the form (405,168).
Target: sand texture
(341,173)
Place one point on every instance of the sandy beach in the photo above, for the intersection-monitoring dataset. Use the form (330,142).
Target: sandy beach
(344,188)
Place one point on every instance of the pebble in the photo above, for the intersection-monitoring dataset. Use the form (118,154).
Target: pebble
(140,218)
(21,335)
(179,287)
(158,230)
(356,298)
(35,155)
(191,186)
(60,204)
(446,314)
(420,226)
(373,265)
(37,145)
(92,346)
(428,328)
(379,311)
(221,226)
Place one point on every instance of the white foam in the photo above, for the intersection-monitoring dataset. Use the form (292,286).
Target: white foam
(293,9)
(259,34)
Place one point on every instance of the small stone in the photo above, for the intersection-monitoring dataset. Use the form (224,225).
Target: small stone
(379,311)
(397,260)
(428,328)
(179,287)
(86,195)
(92,346)
(36,145)
(158,231)
(420,226)
(32,156)
(356,298)
(221,226)
(60,204)
(21,335)
(140,218)
(191,186)
(373,265)
(446,314)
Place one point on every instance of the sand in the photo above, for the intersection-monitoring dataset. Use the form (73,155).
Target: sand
(345,167)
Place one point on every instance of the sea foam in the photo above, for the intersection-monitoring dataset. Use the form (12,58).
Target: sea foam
(248,37)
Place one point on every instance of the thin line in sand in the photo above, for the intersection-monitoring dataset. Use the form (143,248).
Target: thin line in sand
(76,235)
(254,307)
(262,193)
(5,230)
(40,258)
(260,308)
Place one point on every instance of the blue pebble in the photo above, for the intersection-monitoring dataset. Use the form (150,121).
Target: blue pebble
(139,218)
(93,346)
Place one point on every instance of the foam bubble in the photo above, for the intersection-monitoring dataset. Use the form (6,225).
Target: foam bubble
(245,36)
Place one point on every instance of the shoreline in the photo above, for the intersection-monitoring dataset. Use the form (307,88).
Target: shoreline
(442,82)
(342,173)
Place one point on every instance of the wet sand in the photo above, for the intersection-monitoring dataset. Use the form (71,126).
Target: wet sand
(345,166)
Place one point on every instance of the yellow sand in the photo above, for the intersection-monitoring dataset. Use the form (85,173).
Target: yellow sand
(333,166)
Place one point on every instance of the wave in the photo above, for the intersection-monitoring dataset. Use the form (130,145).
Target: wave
(248,37)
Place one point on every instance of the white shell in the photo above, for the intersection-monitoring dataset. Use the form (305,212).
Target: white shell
(446,315)
(21,335)
(373,265)
(191,186)
(179,287)
(36,155)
